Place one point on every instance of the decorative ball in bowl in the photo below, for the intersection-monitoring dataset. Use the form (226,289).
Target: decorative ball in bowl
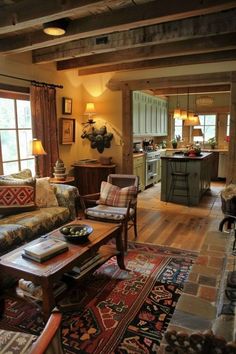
(76,233)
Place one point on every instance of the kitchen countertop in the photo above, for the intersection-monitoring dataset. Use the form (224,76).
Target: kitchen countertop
(182,156)
(138,154)
(206,150)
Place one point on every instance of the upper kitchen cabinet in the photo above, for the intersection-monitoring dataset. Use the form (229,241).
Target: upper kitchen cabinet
(150,115)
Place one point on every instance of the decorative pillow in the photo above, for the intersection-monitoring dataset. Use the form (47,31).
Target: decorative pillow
(17,195)
(24,174)
(116,196)
(45,196)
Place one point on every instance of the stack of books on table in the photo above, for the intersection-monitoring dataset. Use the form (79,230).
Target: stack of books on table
(44,250)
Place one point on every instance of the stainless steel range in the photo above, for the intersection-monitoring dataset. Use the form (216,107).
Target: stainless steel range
(152,166)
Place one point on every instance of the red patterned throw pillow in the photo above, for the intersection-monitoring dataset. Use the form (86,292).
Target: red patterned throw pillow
(116,196)
(17,195)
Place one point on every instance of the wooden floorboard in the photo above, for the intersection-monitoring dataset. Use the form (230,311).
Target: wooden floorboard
(176,225)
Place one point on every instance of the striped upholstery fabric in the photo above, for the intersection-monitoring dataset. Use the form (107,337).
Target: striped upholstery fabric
(108,212)
(115,196)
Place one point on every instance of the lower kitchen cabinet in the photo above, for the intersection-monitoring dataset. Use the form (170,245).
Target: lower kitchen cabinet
(214,166)
(88,177)
(139,170)
(222,166)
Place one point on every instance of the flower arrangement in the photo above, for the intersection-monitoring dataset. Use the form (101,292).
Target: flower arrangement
(193,150)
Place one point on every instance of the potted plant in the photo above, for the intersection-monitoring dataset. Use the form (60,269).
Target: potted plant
(212,142)
(174,143)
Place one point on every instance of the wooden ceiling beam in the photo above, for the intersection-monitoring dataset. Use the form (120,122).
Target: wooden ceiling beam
(118,20)
(220,78)
(220,23)
(171,49)
(173,91)
(163,62)
(27,13)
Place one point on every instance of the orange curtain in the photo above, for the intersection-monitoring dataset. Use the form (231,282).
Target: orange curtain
(44,120)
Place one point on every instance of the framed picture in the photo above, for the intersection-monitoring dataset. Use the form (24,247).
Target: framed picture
(67,130)
(66,105)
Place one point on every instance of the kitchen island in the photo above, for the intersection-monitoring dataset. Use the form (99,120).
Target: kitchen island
(199,178)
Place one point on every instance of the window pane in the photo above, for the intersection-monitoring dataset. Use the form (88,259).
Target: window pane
(228,125)
(178,131)
(7,113)
(9,147)
(210,120)
(28,164)
(210,132)
(23,114)
(10,167)
(25,136)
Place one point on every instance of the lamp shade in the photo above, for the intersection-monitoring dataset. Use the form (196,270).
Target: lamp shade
(177,114)
(192,120)
(90,109)
(37,148)
(197,132)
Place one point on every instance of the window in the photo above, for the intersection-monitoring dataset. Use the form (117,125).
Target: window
(15,133)
(208,127)
(228,125)
(178,128)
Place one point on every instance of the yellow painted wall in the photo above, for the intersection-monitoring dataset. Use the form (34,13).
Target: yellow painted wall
(81,90)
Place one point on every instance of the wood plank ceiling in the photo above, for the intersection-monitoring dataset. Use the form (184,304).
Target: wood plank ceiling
(115,35)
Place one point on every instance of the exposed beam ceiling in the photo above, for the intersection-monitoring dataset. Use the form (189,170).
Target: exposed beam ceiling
(115,35)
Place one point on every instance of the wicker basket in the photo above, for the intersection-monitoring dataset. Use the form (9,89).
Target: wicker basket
(228,207)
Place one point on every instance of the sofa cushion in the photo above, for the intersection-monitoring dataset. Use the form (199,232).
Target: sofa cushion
(17,195)
(115,196)
(13,235)
(45,193)
(39,221)
(24,174)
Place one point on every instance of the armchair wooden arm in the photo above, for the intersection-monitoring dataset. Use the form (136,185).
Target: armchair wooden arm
(88,200)
(49,340)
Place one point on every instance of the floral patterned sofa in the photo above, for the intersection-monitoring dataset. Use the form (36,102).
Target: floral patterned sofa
(52,206)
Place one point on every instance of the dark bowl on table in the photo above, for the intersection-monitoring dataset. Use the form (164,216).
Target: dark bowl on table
(77,233)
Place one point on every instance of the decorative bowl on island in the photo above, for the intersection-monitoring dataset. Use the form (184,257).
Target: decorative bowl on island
(76,233)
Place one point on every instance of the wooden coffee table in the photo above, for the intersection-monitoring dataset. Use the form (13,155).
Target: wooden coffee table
(46,273)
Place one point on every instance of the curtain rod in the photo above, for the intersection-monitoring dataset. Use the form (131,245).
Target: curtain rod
(32,81)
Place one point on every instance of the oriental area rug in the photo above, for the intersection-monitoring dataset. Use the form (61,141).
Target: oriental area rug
(114,310)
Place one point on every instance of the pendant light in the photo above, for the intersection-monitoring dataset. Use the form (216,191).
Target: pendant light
(177,112)
(192,119)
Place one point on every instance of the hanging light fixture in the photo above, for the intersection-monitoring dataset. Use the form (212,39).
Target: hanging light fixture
(177,112)
(204,101)
(197,132)
(56,28)
(192,119)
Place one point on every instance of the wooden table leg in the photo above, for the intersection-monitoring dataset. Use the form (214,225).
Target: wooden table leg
(48,297)
(120,248)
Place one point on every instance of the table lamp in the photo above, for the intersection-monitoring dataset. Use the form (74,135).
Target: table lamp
(37,150)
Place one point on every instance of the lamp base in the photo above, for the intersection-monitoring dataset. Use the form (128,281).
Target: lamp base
(37,170)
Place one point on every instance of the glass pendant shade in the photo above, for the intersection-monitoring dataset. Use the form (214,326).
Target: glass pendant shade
(197,132)
(177,114)
(184,115)
(192,120)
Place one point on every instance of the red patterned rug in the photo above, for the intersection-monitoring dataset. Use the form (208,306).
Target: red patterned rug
(116,311)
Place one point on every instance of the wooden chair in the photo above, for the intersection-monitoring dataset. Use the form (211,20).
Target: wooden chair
(127,215)
(48,342)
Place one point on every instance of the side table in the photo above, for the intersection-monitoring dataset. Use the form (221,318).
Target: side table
(68,180)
